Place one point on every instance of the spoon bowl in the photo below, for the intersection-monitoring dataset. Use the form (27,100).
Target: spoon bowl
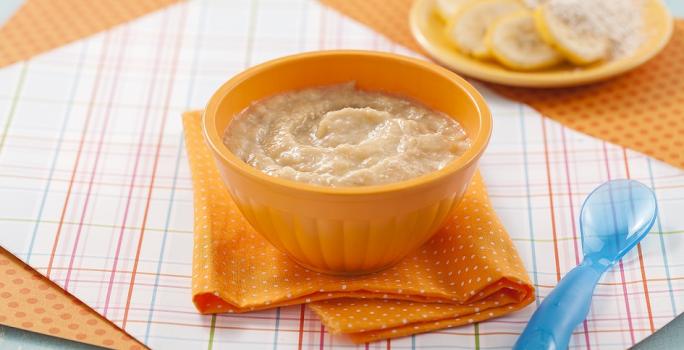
(615,217)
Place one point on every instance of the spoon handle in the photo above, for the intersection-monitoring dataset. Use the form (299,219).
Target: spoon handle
(567,306)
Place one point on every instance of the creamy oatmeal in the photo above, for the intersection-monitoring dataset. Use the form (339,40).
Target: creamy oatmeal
(341,136)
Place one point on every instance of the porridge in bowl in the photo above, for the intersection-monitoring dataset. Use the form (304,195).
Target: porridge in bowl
(340,136)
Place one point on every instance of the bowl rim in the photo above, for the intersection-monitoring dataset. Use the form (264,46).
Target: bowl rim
(472,154)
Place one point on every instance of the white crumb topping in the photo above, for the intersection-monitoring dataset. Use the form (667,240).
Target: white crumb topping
(619,21)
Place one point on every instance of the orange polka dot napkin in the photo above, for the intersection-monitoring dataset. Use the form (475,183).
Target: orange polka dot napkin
(42,25)
(642,110)
(30,301)
(468,272)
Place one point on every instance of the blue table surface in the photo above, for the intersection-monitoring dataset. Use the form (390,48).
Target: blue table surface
(669,337)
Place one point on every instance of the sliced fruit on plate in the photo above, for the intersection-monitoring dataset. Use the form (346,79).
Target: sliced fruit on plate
(515,42)
(468,27)
(448,8)
(578,47)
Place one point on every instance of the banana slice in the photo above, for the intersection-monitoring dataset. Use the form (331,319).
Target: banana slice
(579,48)
(469,25)
(515,42)
(448,8)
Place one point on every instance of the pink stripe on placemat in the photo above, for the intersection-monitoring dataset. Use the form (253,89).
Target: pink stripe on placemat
(157,153)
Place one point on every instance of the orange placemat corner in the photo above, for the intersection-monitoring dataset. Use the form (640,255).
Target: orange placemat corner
(42,25)
(30,301)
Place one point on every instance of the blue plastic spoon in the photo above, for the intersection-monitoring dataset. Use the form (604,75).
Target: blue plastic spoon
(614,218)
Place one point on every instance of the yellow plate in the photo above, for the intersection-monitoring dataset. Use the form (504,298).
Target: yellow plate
(428,29)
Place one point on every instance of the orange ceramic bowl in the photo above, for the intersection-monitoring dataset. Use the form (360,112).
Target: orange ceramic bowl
(348,230)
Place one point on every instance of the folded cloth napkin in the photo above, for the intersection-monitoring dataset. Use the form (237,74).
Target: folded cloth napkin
(468,272)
